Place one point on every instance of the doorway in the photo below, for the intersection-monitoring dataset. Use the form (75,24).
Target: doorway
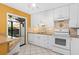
(17,28)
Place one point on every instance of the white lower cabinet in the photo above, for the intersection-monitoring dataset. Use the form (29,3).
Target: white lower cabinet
(30,38)
(51,43)
(74,46)
(40,40)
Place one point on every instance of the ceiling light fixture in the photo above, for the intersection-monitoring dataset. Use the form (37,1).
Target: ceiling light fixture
(33,5)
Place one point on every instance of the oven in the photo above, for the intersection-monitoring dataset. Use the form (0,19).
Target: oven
(62,40)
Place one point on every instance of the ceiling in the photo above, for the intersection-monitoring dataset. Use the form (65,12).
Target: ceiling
(27,7)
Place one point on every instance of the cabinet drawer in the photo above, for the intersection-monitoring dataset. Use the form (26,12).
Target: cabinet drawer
(62,51)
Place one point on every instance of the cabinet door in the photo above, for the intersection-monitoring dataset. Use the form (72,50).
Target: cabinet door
(78,15)
(61,13)
(43,41)
(75,46)
(73,15)
(47,42)
(37,40)
(31,38)
(50,19)
(50,43)
(36,19)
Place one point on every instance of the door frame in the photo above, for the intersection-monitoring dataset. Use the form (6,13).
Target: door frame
(17,16)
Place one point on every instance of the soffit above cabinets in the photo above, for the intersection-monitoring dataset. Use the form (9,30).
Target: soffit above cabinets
(27,7)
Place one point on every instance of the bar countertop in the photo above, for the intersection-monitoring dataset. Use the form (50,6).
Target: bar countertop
(4,39)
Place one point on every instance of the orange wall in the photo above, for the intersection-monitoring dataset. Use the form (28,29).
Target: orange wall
(3,19)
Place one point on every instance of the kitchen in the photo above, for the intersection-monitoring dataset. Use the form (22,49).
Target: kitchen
(63,29)
(55,28)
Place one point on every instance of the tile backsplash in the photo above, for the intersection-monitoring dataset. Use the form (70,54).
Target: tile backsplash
(73,32)
(62,24)
(43,29)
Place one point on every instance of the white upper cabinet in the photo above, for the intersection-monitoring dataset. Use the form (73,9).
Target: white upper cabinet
(73,15)
(48,18)
(44,17)
(36,19)
(78,15)
(61,13)
(51,18)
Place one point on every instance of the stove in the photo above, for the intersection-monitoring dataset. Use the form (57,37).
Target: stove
(61,37)
(61,40)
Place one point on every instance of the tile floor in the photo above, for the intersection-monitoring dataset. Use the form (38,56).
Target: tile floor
(35,50)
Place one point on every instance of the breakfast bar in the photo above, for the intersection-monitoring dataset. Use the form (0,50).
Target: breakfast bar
(7,44)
